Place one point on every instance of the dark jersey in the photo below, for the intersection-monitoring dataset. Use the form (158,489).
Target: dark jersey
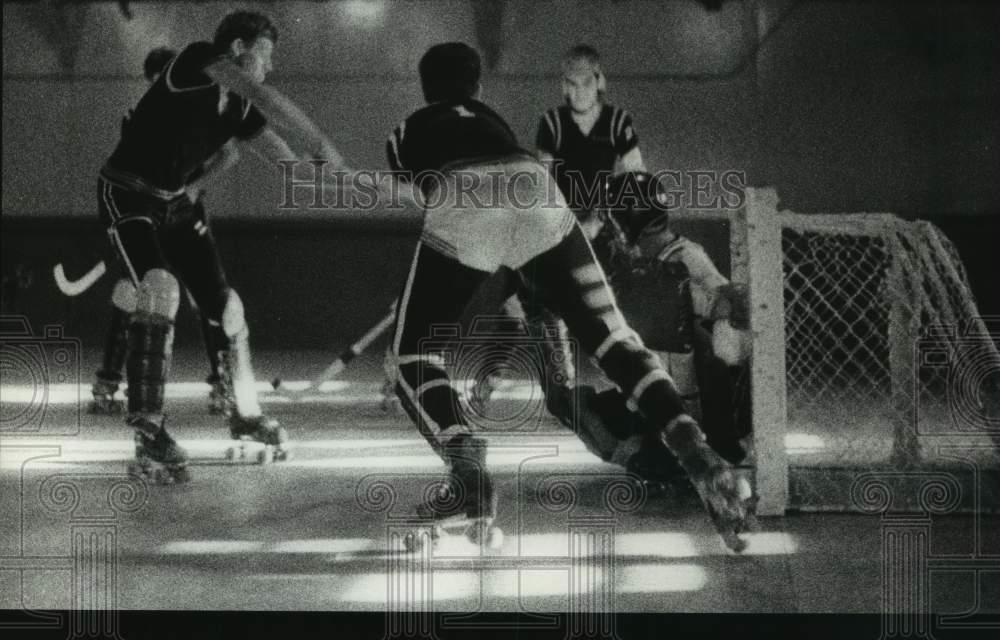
(584,160)
(655,296)
(183,120)
(445,134)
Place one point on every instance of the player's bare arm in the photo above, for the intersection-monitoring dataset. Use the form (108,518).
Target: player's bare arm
(278,108)
(271,147)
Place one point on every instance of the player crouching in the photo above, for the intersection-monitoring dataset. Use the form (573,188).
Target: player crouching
(670,291)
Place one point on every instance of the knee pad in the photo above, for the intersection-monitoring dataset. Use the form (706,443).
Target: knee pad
(124,296)
(233,319)
(159,294)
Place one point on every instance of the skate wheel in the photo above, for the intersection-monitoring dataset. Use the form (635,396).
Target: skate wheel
(281,455)
(181,475)
(160,476)
(231,453)
(265,456)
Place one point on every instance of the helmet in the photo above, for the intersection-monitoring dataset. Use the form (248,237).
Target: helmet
(633,201)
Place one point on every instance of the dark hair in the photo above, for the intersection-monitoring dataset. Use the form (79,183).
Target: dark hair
(584,52)
(156,61)
(246,26)
(450,71)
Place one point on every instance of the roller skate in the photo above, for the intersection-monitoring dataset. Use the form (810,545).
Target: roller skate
(260,430)
(464,504)
(157,455)
(727,497)
(105,401)
(220,396)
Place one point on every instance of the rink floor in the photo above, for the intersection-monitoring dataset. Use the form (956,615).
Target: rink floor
(322,530)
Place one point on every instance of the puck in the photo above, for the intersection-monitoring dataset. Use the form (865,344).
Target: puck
(275,383)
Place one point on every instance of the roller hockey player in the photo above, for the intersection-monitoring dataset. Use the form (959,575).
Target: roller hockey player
(123,300)
(208,95)
(584,142)
(671,291)
(457,138)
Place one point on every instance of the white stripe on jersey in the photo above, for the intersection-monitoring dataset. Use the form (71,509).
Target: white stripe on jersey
(555,117)
(552,120)
(395,142)
(175,89)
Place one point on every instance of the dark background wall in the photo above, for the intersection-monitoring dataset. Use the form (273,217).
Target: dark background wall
(842,106)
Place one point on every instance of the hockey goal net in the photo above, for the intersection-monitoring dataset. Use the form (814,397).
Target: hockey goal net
(877,373)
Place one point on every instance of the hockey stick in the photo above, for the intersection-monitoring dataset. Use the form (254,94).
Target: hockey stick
(345,357)
(76,287)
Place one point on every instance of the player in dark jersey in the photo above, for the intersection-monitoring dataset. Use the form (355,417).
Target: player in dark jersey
(123,299)
(457,151)
(210,94)
(585,141)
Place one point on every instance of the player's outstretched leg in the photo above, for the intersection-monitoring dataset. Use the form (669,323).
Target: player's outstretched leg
(466,500)
(570,274)
(109,376)
(247,420)
(150,345)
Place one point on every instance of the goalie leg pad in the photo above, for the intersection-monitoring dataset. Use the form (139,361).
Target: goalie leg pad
(123,302)
(150,341)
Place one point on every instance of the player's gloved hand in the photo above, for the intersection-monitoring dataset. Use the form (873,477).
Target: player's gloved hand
(731,303)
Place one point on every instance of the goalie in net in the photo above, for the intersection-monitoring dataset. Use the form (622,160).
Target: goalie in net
(682,309)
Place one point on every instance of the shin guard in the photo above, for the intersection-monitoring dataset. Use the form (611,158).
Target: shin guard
(150,344)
